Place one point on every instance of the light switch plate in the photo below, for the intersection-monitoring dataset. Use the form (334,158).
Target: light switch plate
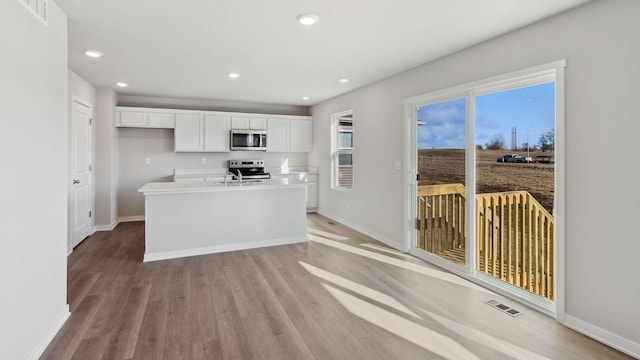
(398,165)
(204,160)
(147,161)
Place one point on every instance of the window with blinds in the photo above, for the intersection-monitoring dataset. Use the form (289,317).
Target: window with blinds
(342,151)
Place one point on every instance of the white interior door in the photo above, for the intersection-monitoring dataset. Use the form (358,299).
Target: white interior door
(80,172)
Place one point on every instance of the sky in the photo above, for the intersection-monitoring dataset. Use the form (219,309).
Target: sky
(531,110)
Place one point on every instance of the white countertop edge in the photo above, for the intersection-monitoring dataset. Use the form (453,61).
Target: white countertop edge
(161,188)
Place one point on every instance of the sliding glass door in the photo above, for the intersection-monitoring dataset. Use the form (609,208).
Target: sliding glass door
(484,196)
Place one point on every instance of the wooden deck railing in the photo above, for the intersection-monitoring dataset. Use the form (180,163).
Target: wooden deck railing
(441,220)
(515,241)
(514,234)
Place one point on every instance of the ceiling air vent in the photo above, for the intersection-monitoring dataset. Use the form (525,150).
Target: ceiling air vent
(39,8)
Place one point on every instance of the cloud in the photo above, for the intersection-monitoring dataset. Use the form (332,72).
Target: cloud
(444,125)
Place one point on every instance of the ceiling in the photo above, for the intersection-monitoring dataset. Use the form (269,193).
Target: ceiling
(185,49)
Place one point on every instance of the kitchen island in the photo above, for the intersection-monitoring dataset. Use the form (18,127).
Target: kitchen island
(196,218)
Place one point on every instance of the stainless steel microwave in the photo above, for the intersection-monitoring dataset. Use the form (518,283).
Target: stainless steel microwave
(242,139)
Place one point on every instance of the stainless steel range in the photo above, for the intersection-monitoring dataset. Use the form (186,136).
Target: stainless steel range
(248,169)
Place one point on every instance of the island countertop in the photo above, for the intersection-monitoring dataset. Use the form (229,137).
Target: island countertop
(157,188)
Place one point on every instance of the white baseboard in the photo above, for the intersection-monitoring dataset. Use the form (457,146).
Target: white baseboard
(107,227)
(371,234)
(131,218)
(604,336)
(49,335)
(221,248)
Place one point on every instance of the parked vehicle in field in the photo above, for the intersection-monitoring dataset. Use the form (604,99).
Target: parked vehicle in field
(513,158)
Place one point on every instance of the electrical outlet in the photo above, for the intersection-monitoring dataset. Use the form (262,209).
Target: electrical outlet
(398,165)
(147,161)
(204,160)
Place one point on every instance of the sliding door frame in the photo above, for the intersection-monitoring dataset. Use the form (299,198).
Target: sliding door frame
(527,77)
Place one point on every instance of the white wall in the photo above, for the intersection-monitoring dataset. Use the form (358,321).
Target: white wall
(80,90)
(106,155)
(33,185)
(600,43)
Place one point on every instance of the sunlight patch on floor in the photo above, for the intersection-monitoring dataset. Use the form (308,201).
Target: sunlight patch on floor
(438,274)
(360,289)
(326,234)
(420,335)
(485,339)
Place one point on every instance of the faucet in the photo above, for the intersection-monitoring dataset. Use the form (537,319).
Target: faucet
(239,175)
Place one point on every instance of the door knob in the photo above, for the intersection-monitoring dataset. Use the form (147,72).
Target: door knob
(76,182)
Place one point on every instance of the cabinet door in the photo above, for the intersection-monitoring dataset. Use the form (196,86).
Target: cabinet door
(216,133)
(257,123)
(188,134)
(301,135)
(161,120)
(132,119)
(277,135)
(240,122)
(312,190)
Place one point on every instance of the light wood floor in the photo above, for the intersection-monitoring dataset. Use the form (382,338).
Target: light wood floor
(339,296)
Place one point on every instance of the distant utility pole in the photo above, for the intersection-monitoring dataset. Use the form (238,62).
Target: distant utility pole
(514,139)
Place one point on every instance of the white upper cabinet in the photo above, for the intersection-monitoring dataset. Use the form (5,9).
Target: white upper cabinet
(209,131)
(258,123)
(202,133)
(144,118)
(240,122)
(278,135)
(247,122)
(189,133)
(132,118)
(216,133)
(301,135)
(289,134)
(161,120)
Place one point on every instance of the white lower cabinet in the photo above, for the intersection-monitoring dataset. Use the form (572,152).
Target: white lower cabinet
(312,190)
(312,186)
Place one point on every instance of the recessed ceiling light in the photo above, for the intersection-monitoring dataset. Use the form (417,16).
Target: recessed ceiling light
(93,53)
(233,75)
(305,98)
(307,19)
(122,84)
(344,81)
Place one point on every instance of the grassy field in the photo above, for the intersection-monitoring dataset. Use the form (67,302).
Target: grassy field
(445,166)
